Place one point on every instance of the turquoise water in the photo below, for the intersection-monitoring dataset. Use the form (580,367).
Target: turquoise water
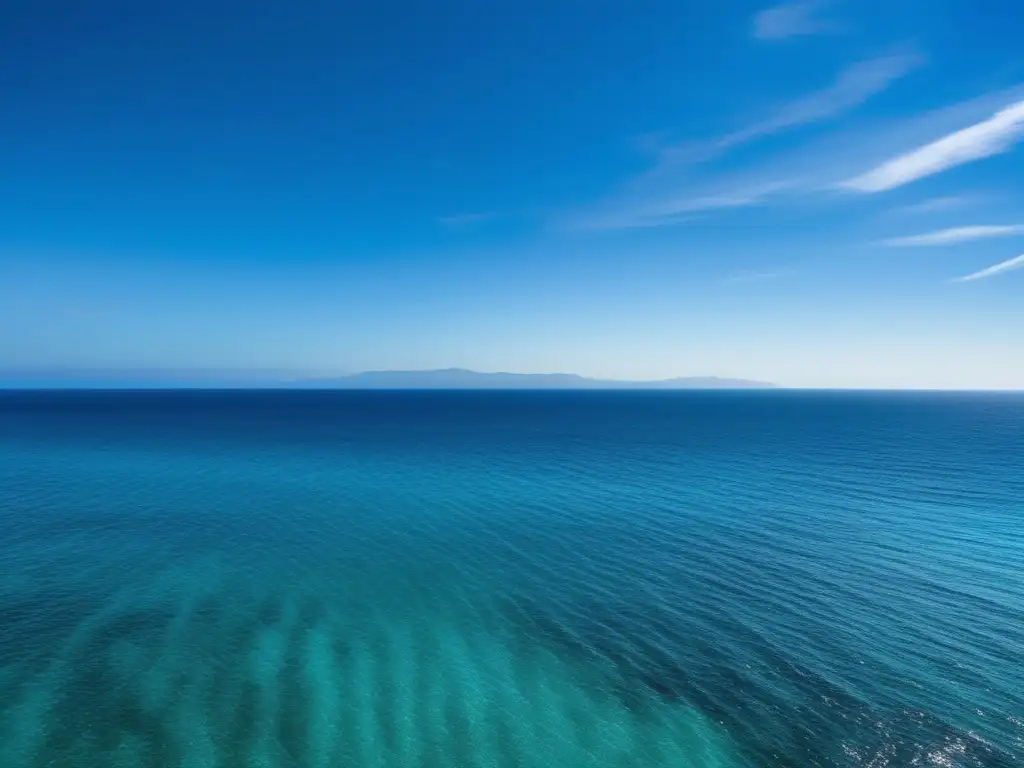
(511,579)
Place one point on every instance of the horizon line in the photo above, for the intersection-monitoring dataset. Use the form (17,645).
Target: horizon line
(654,390)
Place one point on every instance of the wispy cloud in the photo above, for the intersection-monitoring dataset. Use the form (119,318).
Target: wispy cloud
(813,171)
(736,198)
(464,219)
(800,17)
(957,235)
(672,209)
(677,185)
(989,137)
(937,205)
(852,87)
(996,269)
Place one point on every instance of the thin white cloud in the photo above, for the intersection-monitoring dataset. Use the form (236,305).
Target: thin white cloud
(989,137)
(738,198)
(811,170)
(996,269)
(678,208)
(937,205)
(799,17)
(675,186)
(957,235)
(852,87)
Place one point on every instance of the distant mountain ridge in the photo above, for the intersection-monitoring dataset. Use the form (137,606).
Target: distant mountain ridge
(461,378)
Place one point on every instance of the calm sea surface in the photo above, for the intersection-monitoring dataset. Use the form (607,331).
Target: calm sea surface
(546,580)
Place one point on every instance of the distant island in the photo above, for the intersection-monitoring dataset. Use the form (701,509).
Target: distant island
(447,378)
(461,378)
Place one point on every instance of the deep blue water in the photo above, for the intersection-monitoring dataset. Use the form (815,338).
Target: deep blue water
(511,579)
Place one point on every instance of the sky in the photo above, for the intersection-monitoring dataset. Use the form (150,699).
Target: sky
(818,193)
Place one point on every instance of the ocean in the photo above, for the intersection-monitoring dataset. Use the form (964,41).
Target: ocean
(549,579)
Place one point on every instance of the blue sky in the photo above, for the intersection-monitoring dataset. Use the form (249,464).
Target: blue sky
(818,193)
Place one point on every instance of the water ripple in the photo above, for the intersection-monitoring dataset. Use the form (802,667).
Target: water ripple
(589,579)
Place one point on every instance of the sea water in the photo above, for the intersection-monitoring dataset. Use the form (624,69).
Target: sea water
(327,579)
